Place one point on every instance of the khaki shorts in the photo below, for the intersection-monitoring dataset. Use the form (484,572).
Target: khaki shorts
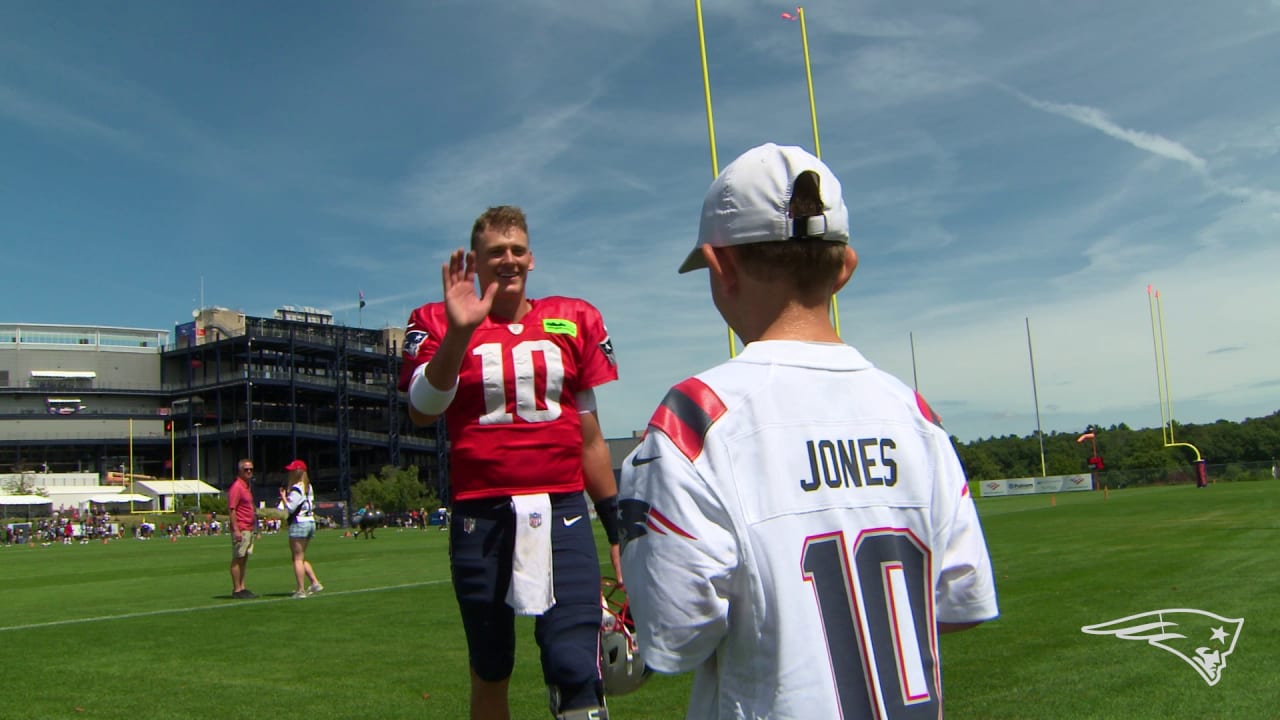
(242,546)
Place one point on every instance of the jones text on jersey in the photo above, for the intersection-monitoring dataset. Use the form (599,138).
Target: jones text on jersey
(850,463)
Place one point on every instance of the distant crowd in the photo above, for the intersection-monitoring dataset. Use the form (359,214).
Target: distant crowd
(66,529)
(72,526)
(191,526)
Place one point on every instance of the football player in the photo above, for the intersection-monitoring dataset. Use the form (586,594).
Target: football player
(797,527)
(513,378)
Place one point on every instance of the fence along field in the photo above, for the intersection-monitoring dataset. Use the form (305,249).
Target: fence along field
(145,629)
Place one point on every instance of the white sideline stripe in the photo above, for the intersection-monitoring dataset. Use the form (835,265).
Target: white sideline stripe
(220,606)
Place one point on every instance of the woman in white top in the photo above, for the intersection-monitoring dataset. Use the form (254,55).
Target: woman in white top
(299,502)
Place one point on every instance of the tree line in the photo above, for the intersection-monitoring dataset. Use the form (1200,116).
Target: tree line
(1253,443)
(394,490)
(1130,457)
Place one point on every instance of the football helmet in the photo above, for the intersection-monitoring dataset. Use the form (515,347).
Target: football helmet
(621,667)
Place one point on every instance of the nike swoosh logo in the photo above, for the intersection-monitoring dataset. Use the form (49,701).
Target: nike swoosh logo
(638,461)
(571,521)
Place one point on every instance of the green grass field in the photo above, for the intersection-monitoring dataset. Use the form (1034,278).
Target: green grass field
(146,629)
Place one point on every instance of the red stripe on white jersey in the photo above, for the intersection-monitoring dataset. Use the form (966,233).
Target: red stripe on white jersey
(666,522)
(927,411)
(686,414)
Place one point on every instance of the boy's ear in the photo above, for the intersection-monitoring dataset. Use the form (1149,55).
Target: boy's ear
(724,265)
(846,272)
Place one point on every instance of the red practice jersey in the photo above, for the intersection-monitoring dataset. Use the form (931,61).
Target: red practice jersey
(513,425)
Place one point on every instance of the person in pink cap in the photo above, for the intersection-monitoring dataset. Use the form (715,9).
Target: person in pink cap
(299,502)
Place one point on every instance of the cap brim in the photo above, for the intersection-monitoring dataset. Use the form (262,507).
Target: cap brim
(694,261)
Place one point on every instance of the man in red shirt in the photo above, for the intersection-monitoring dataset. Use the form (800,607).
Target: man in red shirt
(513,378)
(243,521)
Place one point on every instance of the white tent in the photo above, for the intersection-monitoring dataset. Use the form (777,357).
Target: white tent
(78,497)
(24,500)
(176,487)
(165,491)
(120,498)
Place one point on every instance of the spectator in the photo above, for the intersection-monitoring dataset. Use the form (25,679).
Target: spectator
(243,520)
(299,502)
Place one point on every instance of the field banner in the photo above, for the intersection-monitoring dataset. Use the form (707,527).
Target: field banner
(1076,483)
(1051,484)
(994,488)
(1036,485)
(1021,486)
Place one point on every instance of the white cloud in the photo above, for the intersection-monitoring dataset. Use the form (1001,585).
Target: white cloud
(43,115)
(515,162)
(1098,120)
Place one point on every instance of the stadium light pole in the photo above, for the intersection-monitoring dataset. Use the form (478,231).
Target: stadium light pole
(171,429)
(248,397)
(915,379)
(131,469)
(1035,394)
(197,426)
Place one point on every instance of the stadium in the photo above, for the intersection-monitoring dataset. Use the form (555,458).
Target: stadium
(128,404)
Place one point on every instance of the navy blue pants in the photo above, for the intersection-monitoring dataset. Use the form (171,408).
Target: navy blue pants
(481,539)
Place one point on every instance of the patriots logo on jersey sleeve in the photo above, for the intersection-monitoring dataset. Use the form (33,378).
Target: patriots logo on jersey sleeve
(606,346)
(639,518)
(413,339)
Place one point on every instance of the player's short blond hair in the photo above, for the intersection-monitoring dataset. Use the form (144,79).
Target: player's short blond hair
(500,219)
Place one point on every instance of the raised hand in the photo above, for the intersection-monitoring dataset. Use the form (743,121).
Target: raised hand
(464,306)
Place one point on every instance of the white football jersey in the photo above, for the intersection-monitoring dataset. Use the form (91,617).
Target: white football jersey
(796,524)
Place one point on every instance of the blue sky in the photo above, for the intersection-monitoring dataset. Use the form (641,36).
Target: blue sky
(1002,161)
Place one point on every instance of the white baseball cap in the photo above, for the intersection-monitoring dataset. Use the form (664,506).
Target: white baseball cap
(748,202)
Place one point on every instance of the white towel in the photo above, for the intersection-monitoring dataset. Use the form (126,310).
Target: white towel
(532,591)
